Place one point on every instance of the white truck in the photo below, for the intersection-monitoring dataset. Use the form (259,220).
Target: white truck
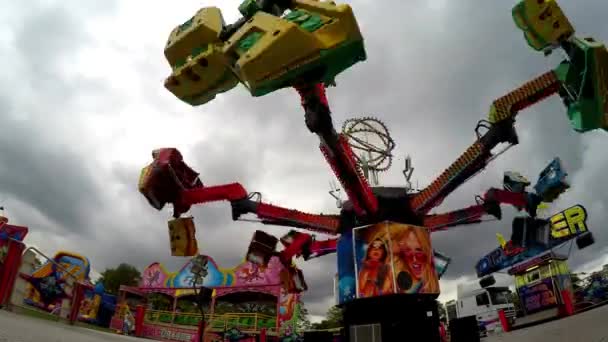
(483,303)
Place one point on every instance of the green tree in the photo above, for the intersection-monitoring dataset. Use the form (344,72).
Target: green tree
(442,312)
(333,319)
(334,316)
(124,274)
(303,320)
(577,280)
(516,303)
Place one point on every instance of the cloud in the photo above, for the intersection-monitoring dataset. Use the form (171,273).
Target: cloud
(83,105)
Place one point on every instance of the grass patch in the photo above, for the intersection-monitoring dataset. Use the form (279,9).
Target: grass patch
(35,313)
(39,314)
(94,327)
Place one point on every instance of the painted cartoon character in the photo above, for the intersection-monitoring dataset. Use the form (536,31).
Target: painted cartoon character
(251,273)
(288,305)
(412,260)
(182,237)
(153,279)
(375,277)
(85,307)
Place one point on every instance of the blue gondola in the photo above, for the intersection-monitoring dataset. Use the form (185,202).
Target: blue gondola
(552,181)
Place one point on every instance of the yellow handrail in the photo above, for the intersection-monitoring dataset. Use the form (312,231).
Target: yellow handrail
(242,321)
(328,330)
(195,314)
(228,317)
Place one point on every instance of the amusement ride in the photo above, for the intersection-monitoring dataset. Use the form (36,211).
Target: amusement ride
(305,44)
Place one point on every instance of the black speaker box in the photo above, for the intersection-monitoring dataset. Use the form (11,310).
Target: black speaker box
(465,329)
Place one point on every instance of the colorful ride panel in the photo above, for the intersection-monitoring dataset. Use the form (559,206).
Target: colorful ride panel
(543,22)
(315,40)
(583,76)
(560,228)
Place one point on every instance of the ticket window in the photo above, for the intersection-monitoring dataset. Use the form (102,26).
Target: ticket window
(532,276)
(563,267)
(555,268)
(520,280)
(559,267)
(545,271)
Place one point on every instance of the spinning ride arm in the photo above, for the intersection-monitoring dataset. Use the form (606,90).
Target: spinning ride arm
(489,204)
(301,244)
(274,215)
(242,203)
(580,81)
(169,180)
(501,130)
(336,150)
(469,215)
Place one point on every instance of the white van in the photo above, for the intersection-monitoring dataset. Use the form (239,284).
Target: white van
(484,304)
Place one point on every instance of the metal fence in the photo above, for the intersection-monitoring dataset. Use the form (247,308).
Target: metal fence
(21,286)
(245,322)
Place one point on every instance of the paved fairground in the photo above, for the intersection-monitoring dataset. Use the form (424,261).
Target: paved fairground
(20,328)
(589,326)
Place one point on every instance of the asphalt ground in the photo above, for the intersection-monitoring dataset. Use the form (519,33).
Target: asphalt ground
(588,326)
(21,328)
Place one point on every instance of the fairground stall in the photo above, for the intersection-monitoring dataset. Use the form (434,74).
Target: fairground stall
(543,282)
(246,299)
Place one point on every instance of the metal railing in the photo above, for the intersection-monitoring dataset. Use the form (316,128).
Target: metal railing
(591,306)
(52,261)
(246,322)
(67,274)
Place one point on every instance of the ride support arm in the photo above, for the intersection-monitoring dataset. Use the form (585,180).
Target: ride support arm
(305,245)
(492,200)
(322,247)
(226,192)
(501,118)
(336,150)
(520,200)
(274,215)
(469,215)
(268,213)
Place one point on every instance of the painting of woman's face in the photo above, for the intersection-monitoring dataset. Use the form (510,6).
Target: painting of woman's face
(181,237)
(376,251)
(179,241)
(414,254)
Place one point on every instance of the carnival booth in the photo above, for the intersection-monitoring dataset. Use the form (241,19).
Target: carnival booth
(245,299)
(543,282)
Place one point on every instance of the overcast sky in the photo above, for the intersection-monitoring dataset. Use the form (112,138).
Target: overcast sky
(82,105)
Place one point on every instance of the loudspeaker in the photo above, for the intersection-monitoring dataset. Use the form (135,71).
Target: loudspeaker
(585,240)
(465,329)
(205,294)
(318,336)
(528,232)
(417,318)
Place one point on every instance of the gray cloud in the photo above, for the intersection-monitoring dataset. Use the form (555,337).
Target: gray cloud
(47,177)
(39,165)
(431,74)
